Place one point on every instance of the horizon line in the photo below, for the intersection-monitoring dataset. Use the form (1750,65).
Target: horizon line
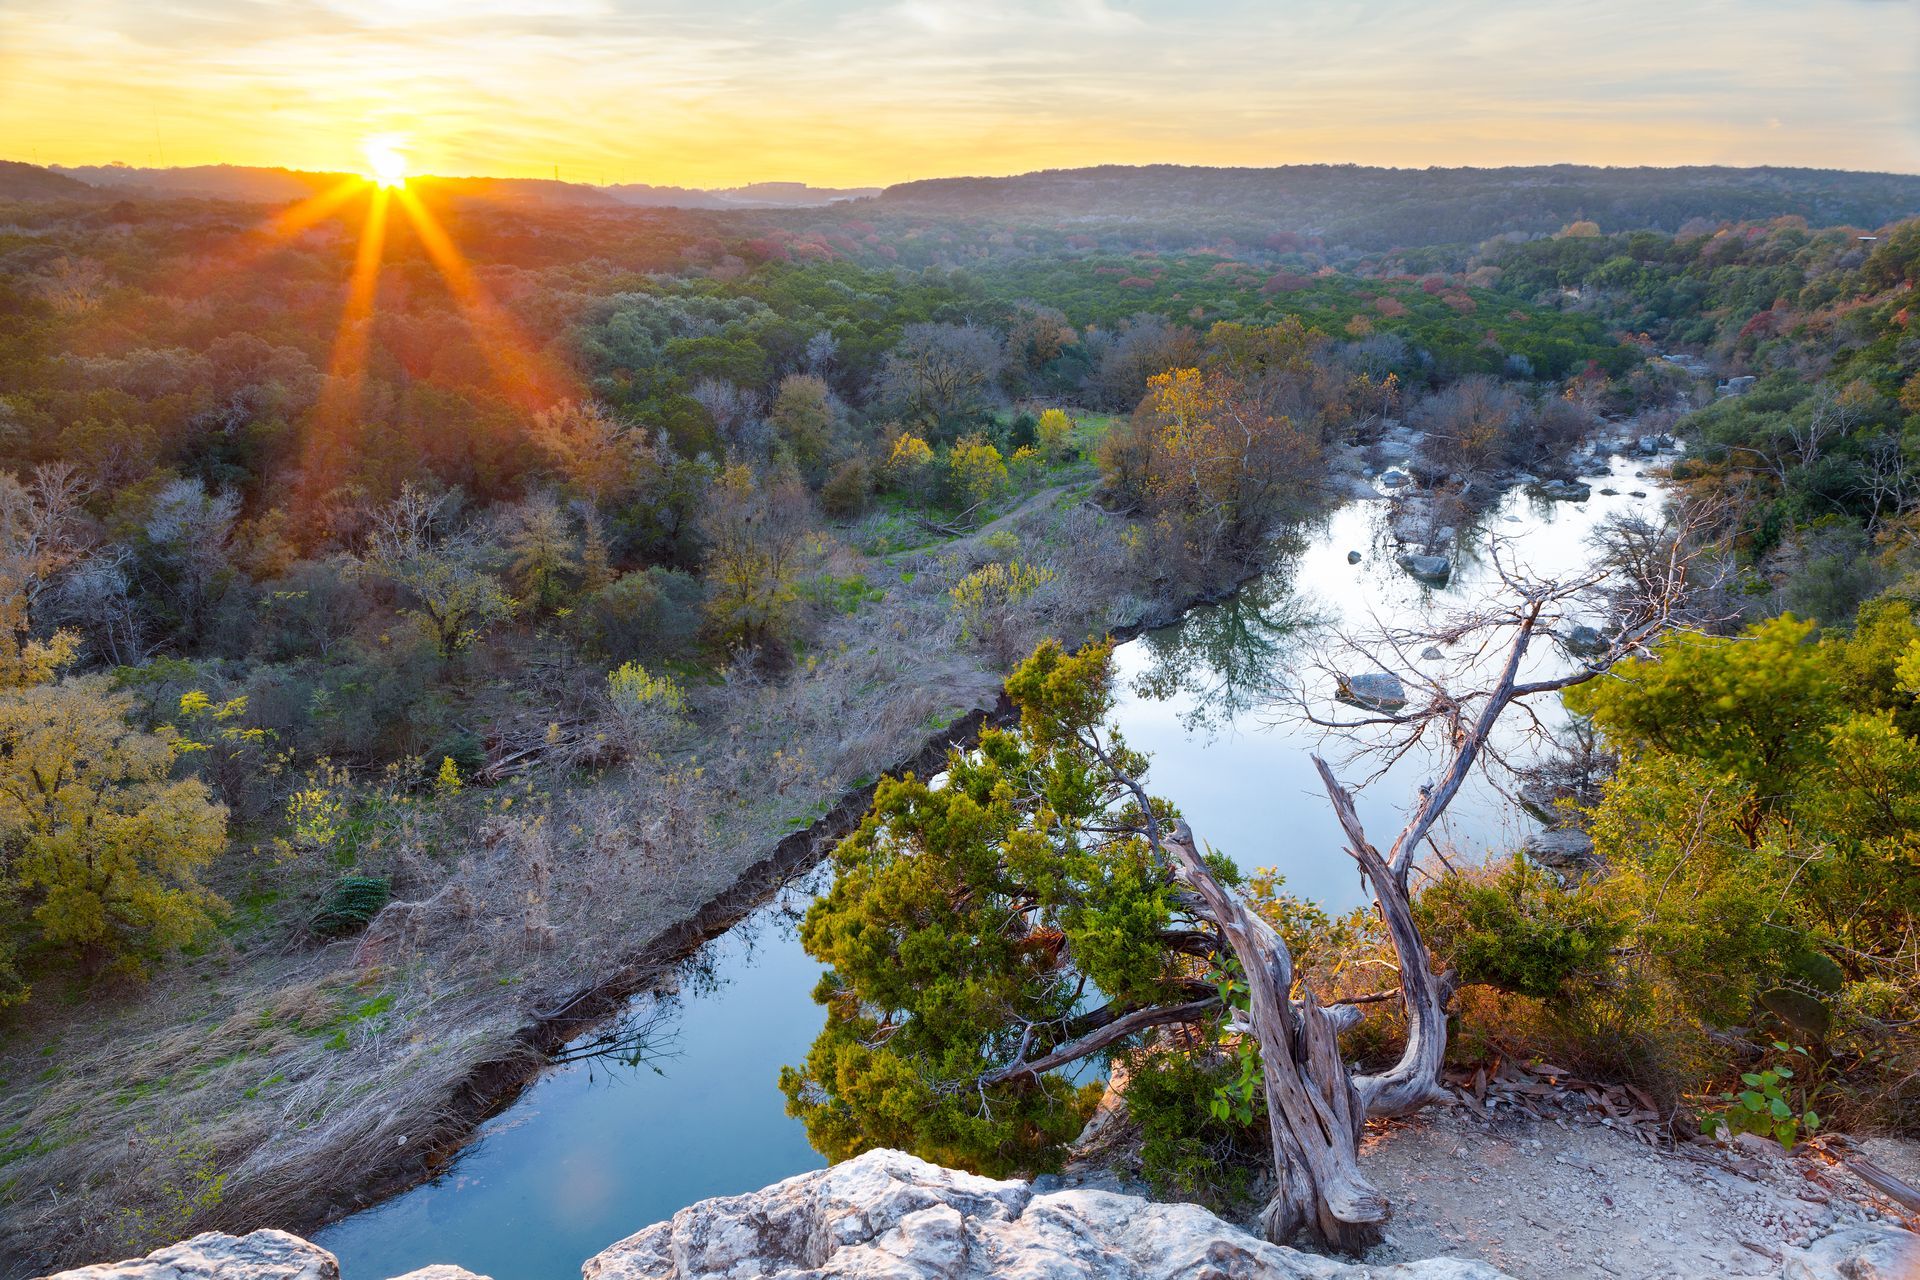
(56,166)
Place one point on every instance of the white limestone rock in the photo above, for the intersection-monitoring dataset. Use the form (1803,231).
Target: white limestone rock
(215,1255)
(1857,1253)
(886,1215)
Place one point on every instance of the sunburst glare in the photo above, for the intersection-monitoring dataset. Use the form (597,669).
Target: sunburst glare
(386,162)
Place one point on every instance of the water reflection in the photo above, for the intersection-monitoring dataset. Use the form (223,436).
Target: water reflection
(1225,661)
(617,1139)
(679,1101)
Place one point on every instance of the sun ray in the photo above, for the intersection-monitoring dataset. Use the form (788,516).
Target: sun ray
(296,218)
(346,369)
(525,377)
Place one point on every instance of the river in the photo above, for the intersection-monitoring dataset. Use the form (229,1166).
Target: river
(597,1150)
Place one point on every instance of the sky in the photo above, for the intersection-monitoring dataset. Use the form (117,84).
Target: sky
(839,93)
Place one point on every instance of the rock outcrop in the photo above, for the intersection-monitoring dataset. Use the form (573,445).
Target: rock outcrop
(214,1255)
(889,1215)
(1858,1253)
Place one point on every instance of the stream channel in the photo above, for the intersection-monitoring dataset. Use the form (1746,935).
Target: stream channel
(598,1149)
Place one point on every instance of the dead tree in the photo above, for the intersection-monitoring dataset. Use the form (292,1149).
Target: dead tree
(1315,1106)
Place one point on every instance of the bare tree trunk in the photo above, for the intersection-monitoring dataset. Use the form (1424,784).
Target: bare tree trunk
(1314,1113)
(1414,1081)
(1315,1108)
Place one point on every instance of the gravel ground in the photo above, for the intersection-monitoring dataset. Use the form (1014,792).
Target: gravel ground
(1572,1199)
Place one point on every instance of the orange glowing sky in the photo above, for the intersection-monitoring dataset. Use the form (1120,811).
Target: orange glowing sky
(730,91)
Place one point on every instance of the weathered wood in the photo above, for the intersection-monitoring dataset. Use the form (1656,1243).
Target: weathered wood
(1094,1041)
(1413,1081)
(1313,1112)
(1885,1183)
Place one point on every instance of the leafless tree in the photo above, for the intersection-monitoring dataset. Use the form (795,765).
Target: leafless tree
(738,415)
(41,530)
(941,373)
(1889,479)
(1315,1105)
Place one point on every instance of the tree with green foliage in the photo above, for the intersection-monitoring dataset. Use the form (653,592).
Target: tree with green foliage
(100,847)
(1758,841)
(541,544)
(754,528)
(452,595)
(1039,908)
(1754,707)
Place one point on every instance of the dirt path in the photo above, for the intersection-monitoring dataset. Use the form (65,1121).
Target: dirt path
(1554,1199)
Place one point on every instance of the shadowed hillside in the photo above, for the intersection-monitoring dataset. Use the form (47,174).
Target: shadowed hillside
(1371,208)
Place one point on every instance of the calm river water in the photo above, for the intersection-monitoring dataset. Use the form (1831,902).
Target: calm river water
(596,1151)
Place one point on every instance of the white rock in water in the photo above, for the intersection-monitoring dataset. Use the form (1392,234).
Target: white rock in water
(886,1215)
(1433,569)
(1378,690)
(1564,490)
(1857,1253)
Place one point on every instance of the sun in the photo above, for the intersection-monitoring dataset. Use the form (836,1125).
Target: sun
(386,163)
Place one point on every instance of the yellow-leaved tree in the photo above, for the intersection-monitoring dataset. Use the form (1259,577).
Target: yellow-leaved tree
(100,846)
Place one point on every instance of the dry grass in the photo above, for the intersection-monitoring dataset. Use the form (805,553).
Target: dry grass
(268,1083)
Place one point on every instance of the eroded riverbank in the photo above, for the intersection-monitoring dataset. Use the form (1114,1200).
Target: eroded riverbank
(590,1149)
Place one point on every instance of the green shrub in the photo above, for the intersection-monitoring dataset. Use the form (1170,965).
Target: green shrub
(1187,1151)
(350,904)
(1517,929)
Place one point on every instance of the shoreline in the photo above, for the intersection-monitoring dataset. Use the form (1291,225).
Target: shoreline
(496,1084)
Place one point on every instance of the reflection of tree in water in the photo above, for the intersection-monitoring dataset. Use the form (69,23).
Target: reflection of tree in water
(1228,658)
(646,1032)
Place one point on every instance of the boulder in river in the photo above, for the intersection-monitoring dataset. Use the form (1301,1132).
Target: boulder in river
(1353,557)
(1564,490)
(886,1215)
(1567,849)
(1428,568)
(1395,479)
(1375,690)
(1584,641)
(1432,653)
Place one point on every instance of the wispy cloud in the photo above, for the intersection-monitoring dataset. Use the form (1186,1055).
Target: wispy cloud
(732,90)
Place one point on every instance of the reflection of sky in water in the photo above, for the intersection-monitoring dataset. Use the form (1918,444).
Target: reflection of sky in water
(1240,769)
(593,1153)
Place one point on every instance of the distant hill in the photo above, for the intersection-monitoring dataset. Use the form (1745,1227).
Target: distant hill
(522,191)
(209,181)
(756,195)
(22,181)
(1370,208)
(275,186)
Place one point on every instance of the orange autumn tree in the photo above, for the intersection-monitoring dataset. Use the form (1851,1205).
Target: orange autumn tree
(1211,463)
